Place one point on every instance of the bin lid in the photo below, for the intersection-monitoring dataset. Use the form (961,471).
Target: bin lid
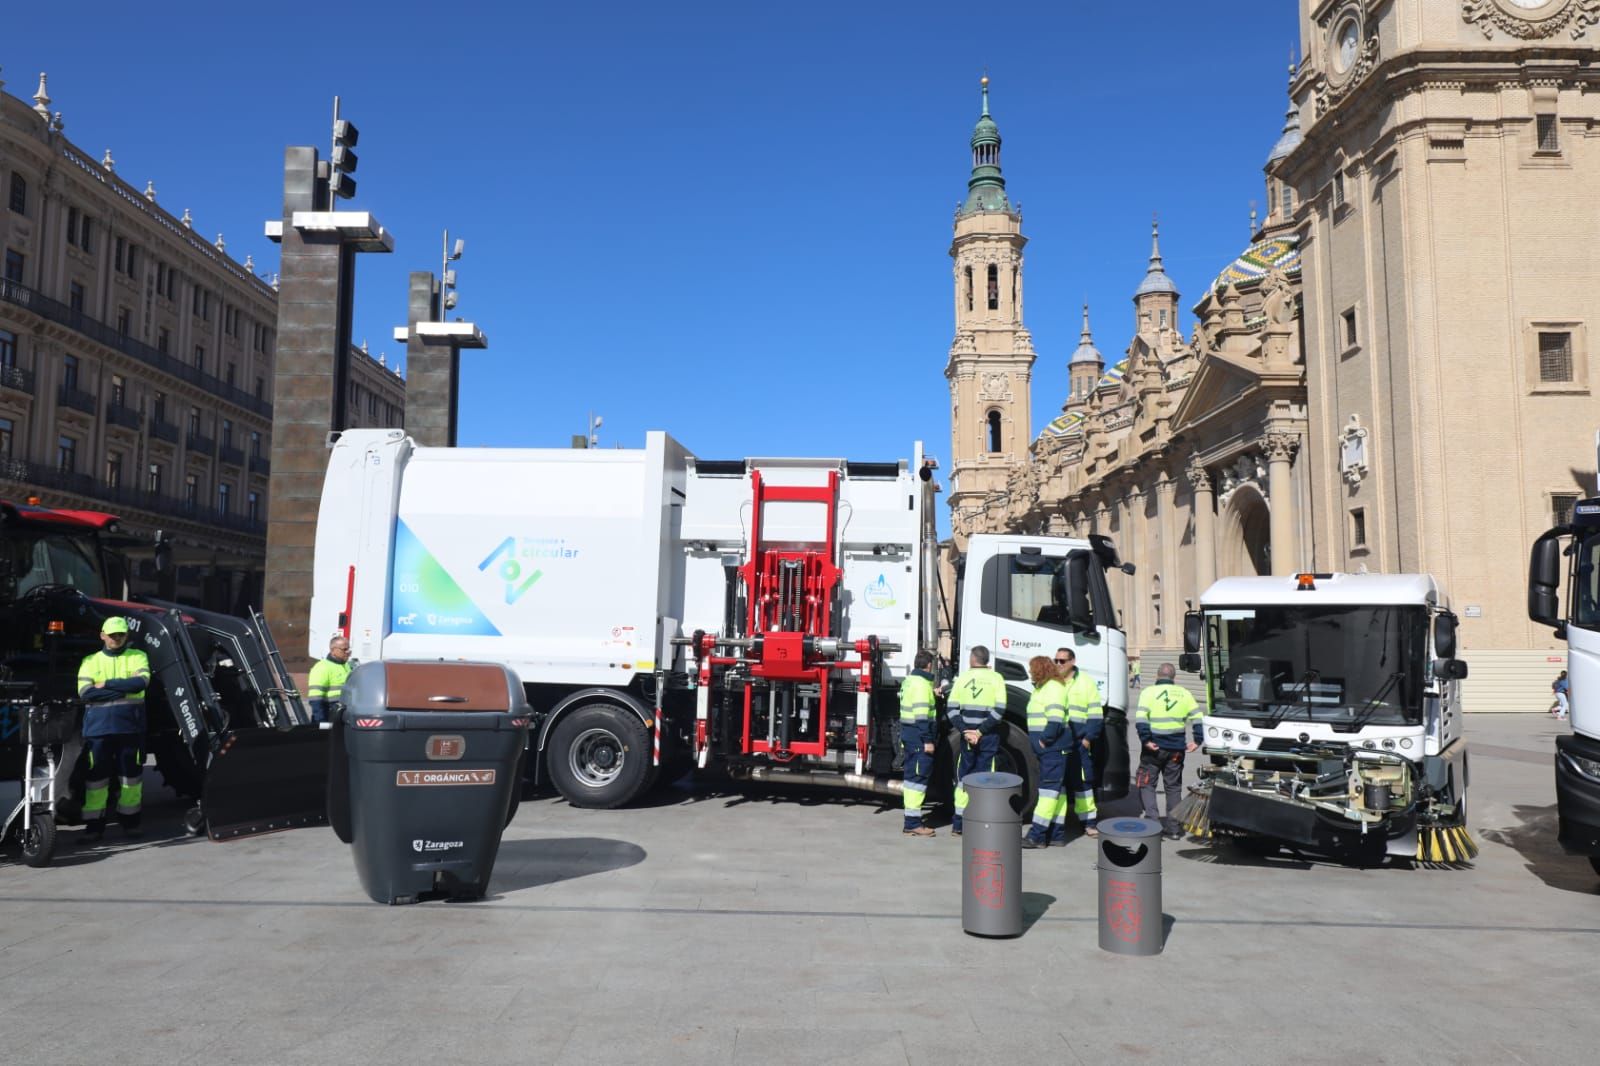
(993,779)
(447,687)
(1130,845)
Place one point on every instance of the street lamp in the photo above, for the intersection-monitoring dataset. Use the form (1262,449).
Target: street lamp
(447,277)
(594,426)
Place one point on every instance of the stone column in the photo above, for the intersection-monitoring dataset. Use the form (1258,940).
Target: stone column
(1205,543)
(1171,597)
(431,372)
(1281,447)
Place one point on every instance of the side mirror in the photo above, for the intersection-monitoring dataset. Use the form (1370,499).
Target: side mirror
(1191,632)
(1080,614)
(1189,662)
(1544,578)
(1449,669)
(1444,635)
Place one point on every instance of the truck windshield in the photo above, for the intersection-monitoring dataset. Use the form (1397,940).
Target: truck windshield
(1586,581)
(35,558)
(1344,665)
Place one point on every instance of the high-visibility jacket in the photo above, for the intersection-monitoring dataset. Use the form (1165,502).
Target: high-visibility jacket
(916,708)
(127,673)
(325,684)
(1085,710)
(1165,711)
(1047,712)
(977,700)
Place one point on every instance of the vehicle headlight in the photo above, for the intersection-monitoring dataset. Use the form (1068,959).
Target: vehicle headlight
(1589,768)
(1212,731)
(1388,743)
(1244,738)
(1368,744)
(1227,734)
(1405,742)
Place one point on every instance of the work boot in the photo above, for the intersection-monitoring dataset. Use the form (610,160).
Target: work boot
(1089,830)
(1058,837)
(955,827)
(918,831)
(92,835)
(1034,839)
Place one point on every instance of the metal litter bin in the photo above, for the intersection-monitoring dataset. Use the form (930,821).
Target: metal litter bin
(991,855)
(1130,886)
(425,773)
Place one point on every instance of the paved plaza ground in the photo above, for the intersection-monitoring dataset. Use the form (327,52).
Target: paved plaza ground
(775,926)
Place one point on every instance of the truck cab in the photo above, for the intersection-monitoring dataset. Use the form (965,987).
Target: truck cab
(1332,711)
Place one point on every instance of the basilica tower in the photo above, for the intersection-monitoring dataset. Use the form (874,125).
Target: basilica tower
(990,368)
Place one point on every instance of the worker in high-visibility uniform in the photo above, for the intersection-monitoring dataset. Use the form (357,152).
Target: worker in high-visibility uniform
(1050,737)
(918,734)
(111,683)
(325,686)
(1086,714)
(976,706)
(1166,713)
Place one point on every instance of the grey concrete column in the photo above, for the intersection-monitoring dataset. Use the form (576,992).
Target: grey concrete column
(432,371)
(1280,486)
(1205,543)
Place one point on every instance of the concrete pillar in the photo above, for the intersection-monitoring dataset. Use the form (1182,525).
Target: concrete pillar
(1205,541)
(432,371)
(1281,447)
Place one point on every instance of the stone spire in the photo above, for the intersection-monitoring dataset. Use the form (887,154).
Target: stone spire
(150,191)
(986,188)
(1086,366)
(188,222)
(41,99)
(107,162)
(221,245)
(1289,139)
(1155,278)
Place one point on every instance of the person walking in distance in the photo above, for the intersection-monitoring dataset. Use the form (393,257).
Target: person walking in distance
(976,705)
(111,683)
(1049,736)
(1166,714)
(325,685)
(917,735)
(1086,714)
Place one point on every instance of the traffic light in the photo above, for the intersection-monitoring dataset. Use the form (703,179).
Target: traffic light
(345,136)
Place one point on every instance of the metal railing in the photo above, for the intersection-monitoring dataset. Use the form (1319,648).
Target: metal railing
(231,455)
(77,399)
(122,415)
(58,312)
(14,377)
(38,475)
(260,464)
(164,431)
(197,443)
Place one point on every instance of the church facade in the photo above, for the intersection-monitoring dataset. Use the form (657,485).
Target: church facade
(1392,377)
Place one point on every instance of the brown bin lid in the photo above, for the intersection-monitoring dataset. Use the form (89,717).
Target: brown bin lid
(447,687)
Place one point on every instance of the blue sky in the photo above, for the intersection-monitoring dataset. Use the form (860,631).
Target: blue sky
(730,224)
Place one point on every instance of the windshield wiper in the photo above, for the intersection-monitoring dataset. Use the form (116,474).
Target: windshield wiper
(1359,719)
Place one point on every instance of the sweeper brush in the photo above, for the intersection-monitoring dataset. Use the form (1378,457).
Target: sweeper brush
(1445,845)
(1194,814)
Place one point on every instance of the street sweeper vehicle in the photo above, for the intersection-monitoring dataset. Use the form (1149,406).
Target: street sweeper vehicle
(1577,755)
(667,612)
(1332,717)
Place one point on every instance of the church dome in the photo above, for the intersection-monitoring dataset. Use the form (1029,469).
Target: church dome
(1258,260)
(1086,351)
(1290,138)
(1155,278)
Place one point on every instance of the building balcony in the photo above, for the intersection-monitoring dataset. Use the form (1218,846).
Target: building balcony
(75,398)
(260,464)
(14,377)
(204,445)
(120,499)
(121,415)
(62,314)
(231,455)
(164,431)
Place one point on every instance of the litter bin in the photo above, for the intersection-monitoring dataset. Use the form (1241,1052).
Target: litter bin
(1130,886)
(991,855)
(425,773)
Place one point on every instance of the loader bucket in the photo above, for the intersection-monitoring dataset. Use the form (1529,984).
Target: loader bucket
(265,781)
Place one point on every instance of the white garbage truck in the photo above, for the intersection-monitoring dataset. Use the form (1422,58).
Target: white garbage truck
(1578,754)
(1332,717)
(666,611)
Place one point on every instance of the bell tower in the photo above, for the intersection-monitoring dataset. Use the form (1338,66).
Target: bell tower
(990,368)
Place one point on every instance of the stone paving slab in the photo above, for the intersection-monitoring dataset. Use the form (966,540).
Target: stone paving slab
(715,926)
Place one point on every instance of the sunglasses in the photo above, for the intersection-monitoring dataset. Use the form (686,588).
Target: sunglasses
(1064,662)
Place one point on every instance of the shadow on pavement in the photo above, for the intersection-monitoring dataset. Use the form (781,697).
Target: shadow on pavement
(547,860)
(1034,904)
(162,824)
(1535,840)
(1219,853)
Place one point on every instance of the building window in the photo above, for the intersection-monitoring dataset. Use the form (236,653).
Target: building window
(1163,318)
(164,341)
(69,371)
(113,470)
(172,284)
(994,287)
(1338,191)
(133,261)
(8,430)
(8,348)
(1351,338)
(1358,529)
(119,390)
(124,321)
(228,377)
(194,421)
(66,454)
(75,297)
(261,387)
(161,277)
(158,407)
(120,257)
(83,235)
(199,357)
(224,492)
(152,479)
(227,432)
(14,264)
(1547,130)
(255,444)
(994,431)
(195,300)
(19,193)
(1561,504)
(1555,358)
(252,505)
(969,288)
(1286,193)
(191,491)
(72,225)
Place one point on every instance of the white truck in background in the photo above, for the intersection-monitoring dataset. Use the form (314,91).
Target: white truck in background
(1332,716)
(666,611)
(1577,755)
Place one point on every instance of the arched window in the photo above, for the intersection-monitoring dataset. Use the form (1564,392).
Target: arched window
(994,287)
(1013,289)
(994,431)
(19,193)
(969,288)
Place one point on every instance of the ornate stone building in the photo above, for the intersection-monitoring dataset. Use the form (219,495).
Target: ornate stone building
(1394,376)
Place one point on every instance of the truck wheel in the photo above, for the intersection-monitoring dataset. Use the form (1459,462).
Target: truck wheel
(599,756)
(1594,860)
(39,842)
(1016,757)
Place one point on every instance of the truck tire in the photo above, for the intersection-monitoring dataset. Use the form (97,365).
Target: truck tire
(1594,860)
(599,756)
(1016,757)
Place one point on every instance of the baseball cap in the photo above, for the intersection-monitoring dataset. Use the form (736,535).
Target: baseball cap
(114,624)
